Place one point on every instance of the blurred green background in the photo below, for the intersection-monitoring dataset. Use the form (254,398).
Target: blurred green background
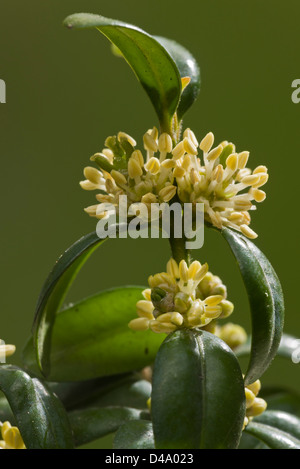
(66,93)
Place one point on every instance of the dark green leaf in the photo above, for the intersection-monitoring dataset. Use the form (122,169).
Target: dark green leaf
(188,67)
(137,434)
(5,411)
(272,437)
(79,394)
(266,302)
(90,424)
(151,63)
(250,442)
(284,421)
(54,292)
(198,398)
(39,414)
(92,338)
(117,390)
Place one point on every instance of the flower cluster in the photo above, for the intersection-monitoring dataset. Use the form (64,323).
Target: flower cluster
(233,334)
(254,405)
(181,297)
(11,437)
(219,178)
(124,171)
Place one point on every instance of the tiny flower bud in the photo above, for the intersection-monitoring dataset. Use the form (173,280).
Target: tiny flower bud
(255,387)
(134,168)
(153,165)
(207,142)
(150,143)
(257,408)
(139,324)
(189,146)
(165,143)
(248,232)
(92,174)
(119,178)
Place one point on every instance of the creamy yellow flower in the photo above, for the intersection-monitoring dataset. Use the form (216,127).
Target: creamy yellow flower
(254,405)
(220,180)
(6,350)
(125,170)
(177,299)
(12,438)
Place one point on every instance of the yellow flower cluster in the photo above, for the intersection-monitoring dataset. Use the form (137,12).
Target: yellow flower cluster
(12,438)
(254,405)
(233,334)
(183,296)
(219,179)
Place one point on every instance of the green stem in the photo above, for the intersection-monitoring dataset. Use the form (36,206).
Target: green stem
(179,251)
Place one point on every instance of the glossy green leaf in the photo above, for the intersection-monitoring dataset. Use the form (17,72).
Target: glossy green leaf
(39,414)
(81,393)
(5,411)
(198,398)
(266,302)
(272,437)
(53,294)
(92,338)
(131,393)
(117,390)
(282,420)
(90,424)
(188,67)
(281,399)
(137,434)
(151,63)
(251,442)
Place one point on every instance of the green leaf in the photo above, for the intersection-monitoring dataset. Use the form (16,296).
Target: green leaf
(198,398)
(94,339)
(288,347)
(250,442)
(131,393)
(188,67)
(5,411)
(126,390)
(151,63)
(281,399)
(40,416)
(266,302)
(90,424)
(281,420)
(272,437)
(137,434)
(53,294)
(81,393)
